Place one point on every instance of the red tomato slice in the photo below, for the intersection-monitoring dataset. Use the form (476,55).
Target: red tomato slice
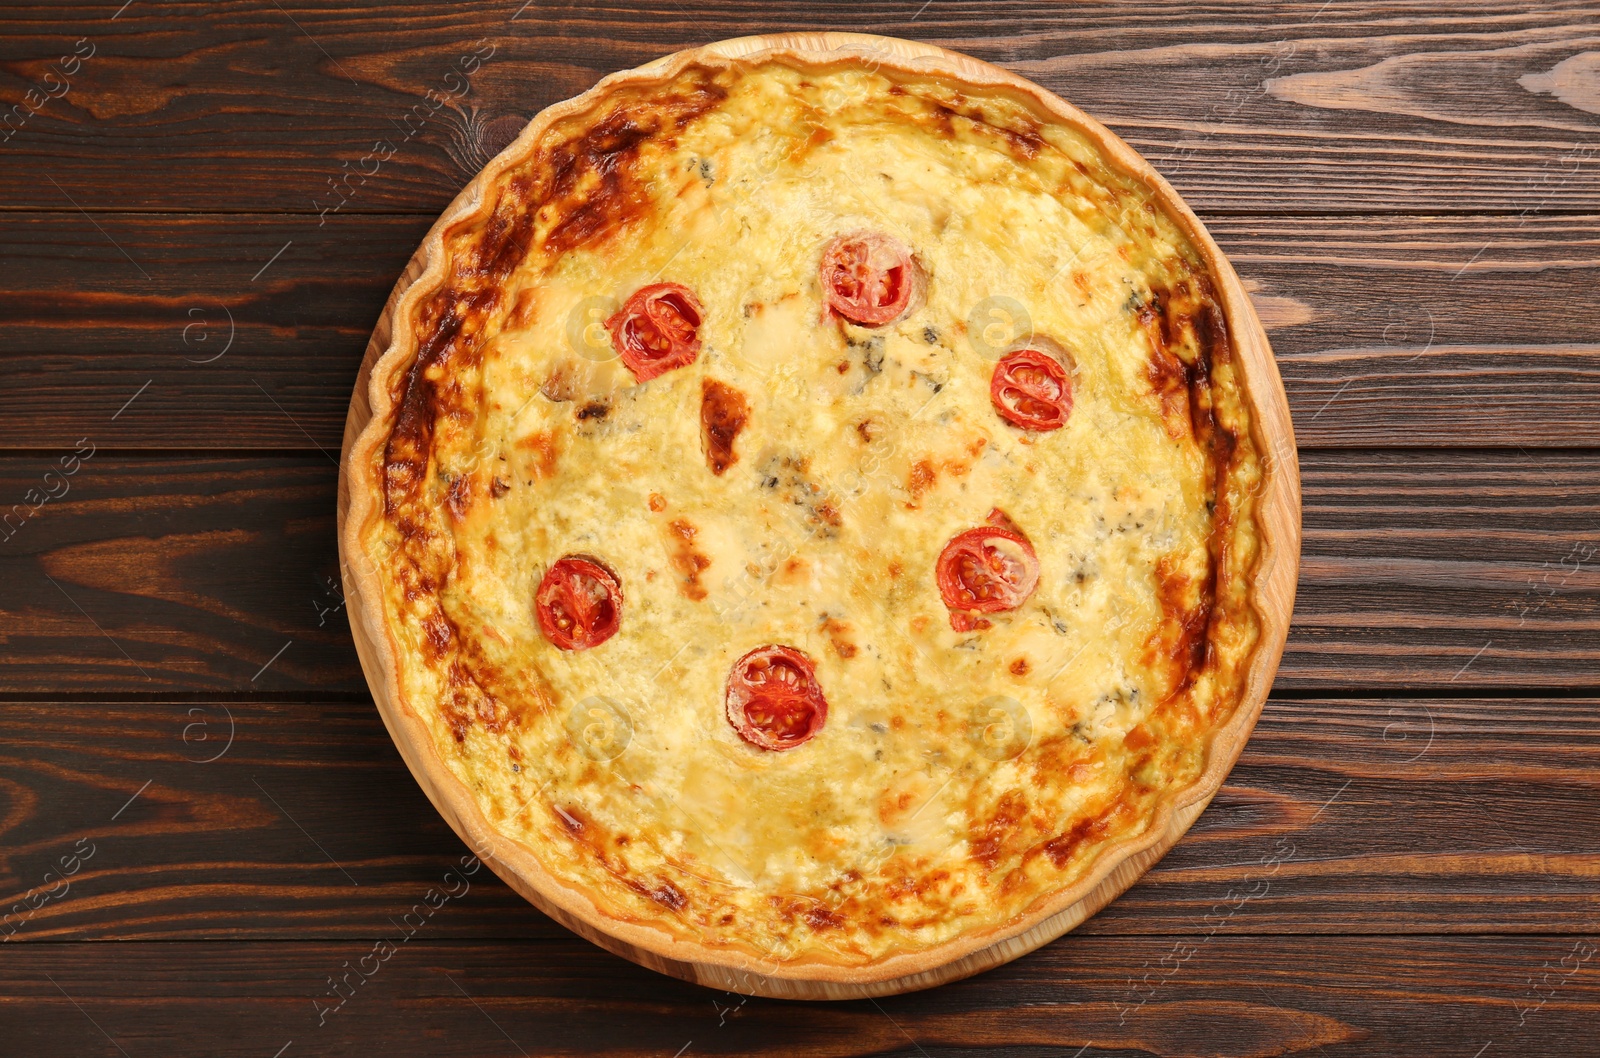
(985,570)
(867,277)
(657,329)
(1001,520)
(1030,389)
(773,699)
(579,603)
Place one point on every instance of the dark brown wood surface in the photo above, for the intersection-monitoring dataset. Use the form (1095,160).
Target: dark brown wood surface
(1406,860)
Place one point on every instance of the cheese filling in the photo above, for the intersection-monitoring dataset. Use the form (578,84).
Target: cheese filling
(795,484)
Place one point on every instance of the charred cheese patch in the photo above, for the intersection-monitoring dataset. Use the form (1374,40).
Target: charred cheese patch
(796,485)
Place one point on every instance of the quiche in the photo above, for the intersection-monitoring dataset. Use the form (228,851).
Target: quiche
(812,519)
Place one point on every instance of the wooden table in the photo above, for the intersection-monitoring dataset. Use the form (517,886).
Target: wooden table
(205,831)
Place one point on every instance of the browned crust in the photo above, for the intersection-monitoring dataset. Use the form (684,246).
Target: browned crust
(368,448)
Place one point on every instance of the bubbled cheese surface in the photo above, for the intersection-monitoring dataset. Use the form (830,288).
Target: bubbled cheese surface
(961,777)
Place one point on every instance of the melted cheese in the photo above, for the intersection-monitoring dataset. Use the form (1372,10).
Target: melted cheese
(961,777)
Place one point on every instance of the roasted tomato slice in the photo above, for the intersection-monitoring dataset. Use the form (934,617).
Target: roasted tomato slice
(867,277)
(579,603)
(1031,389)
(773,698)
(657,329)
(989,569)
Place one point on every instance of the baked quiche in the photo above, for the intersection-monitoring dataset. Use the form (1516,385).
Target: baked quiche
(809,512)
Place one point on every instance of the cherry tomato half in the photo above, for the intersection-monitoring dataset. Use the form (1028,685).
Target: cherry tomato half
(867,277)
(579,603)
(1031,389)
(773,699)
(986,570)
(657,329)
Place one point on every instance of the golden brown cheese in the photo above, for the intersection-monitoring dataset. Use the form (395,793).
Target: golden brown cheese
(795,485)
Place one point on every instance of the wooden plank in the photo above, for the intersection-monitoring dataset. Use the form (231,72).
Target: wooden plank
(1311,107)
(1229,997)
(203,818)
(1392,816)
(154,573)
(157,574)
(1403,331)
(1448,569)
(1389,331)
(294,819)
(248,330)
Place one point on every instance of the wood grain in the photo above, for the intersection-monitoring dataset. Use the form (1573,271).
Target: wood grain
(1336,107)
(1376,816)
(271,819)
(1428,331)
(1446,568)
(161,573)
(247,329)
(1389,331)
(1230,997)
